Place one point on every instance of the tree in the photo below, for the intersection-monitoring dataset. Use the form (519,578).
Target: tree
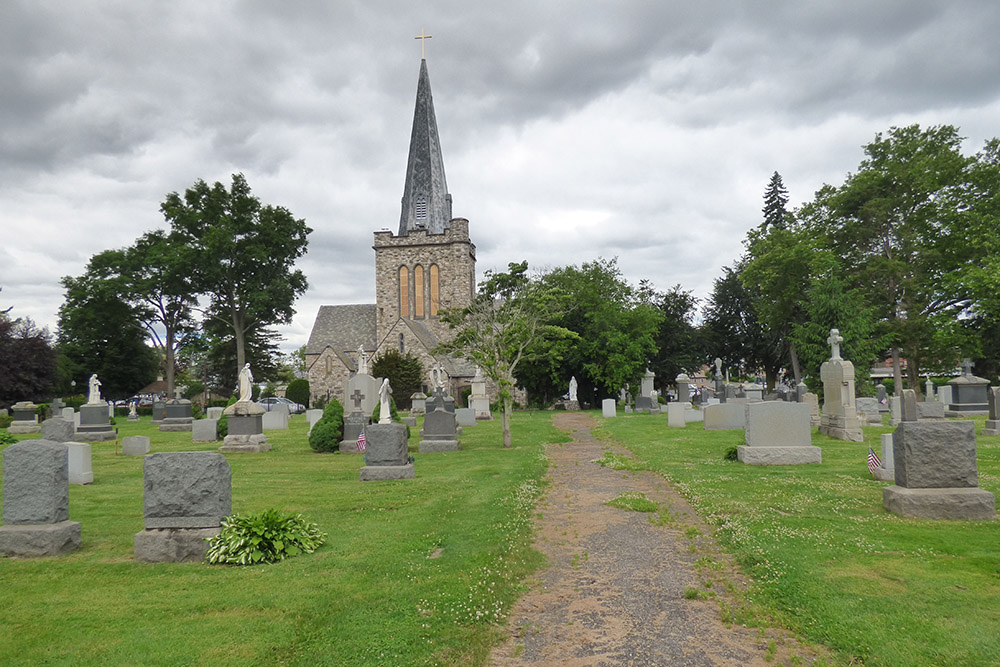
(510,312)
(260,351)
(244,253)
(99,332)
(679,343)
(298,391)
(27,361)
(404,370)
(775,209)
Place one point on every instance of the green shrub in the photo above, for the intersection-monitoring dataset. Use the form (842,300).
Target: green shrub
(7,438)
(196,411)
(393,414)
(298,391)
(266,537)
(223,424)
(731,453)
(75,401)
(329,430)
(6,420)
(42,411)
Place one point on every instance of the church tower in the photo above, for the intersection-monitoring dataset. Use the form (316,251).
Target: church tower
(430,264)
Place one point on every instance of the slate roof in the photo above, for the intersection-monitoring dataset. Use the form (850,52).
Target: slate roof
(344,328)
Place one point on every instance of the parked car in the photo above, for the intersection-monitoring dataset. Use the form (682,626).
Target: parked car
(271,401)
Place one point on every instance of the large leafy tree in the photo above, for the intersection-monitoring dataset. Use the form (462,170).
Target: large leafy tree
(99,331)
(27,361)
(679,343)
(244,255)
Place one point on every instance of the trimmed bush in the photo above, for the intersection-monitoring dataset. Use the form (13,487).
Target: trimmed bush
(223,424)
(329,430)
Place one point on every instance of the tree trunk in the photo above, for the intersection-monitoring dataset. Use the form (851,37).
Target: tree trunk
(770,379)
(239,336)
(505,422)
(796,370)
(897,373)
(168,358)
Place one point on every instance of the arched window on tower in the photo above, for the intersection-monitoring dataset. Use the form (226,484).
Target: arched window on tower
(404,292)
(418,291)
(402,344)
(435,291)
(420,211)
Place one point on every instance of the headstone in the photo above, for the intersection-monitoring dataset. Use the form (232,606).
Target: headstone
(628,409)
(440,432)
(731,391)
(216,412)
(274,420)
(36,500)
(993,423)
(812,400)
(928,390)
(608,408)
(725,417)
(969,394)
(177,416)
(246,429)
(694,415)
(754,392)
(353,425)
(885,472)
(95,426)
(58,429)
(778,433)
(465,416)
(644,401)
(683,388)
(720,381)
(386,454)
(840,415)
(410,421)
(883,399)
(159,411)
(944,395)
(135,445)
(81,469)
(313,416)
(361,394)
(895,410)
(25,418)
(418,403)
(936,476)
(205,430)
(67,414)
(908,406)
(930,410)
(133,412)
(56,405)
(186,496)
(868,408)
(440,401)
(677,414)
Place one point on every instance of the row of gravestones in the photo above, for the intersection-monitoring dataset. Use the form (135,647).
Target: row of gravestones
(186,495)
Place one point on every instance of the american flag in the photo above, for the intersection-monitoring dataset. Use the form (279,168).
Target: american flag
(873,461)
(363,441)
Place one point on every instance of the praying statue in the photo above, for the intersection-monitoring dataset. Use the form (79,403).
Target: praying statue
(95,390)
(384,409)
(245,384)
(572,388)
(132,414)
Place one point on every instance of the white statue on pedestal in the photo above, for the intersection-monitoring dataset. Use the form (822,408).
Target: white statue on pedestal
(95,390)
(835,340)
(245,384)
(132,414)
(572,388)
(362,361)
(439,376)
(384,408)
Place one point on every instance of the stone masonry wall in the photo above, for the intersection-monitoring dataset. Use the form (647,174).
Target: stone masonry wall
(324,383)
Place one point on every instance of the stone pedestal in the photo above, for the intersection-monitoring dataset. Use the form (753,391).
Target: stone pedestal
(439,433)
(840,415)
(387,456)
(246,432)
(418,402)
(36,501)
(81,469)
(936,475)
(353,423)
(778,433)
(95,425)
(186,496)
(177,416)
(479,401)
(969,397)
(25,418)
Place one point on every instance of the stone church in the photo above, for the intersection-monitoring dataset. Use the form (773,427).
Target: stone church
(427,266)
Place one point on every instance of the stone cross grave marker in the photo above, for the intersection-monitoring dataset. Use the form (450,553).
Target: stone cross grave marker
(358,398)
(835,340)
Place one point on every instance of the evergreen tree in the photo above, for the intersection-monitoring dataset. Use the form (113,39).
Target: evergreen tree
(775,204)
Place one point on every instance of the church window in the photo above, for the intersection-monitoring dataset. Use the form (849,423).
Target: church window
(404,292)
(435,291)
(329,365)
(402,344)
(420,208)
(418,290)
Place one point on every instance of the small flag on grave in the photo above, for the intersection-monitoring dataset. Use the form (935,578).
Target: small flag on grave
(362,440)
(873,461)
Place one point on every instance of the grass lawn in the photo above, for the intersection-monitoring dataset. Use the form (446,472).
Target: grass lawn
(413,572)
(827,561)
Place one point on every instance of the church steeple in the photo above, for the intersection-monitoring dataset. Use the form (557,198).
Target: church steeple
(426,202)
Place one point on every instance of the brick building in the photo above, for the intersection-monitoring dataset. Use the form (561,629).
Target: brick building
(429,265)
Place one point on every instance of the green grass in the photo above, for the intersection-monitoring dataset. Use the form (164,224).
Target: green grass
(370,595)
(633,501)
(827,561)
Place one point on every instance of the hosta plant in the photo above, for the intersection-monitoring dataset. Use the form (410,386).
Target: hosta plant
(265,537)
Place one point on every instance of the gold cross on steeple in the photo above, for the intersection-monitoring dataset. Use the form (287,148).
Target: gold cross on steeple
(423,41)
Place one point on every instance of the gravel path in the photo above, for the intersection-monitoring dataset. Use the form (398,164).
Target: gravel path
(613,590)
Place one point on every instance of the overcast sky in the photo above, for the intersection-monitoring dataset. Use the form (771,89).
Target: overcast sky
(571,130)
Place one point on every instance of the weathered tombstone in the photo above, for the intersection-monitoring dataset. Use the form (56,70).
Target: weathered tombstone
(465,416)
(58,429)
(969,394)
(440,432)
(177,416)
(812,400)
(886,472)
(133,412)
(754,392)
(778,433)
(246,429)
(135,445)
(928,390)
(67,414)
(386,453)
(840,415)
(720,381)
(354,423)
(36,500)
(95,424)
(930,410)
(56,405)
(677,414)
(868,407)
(944,395)
(159,410)
(186,496)
(25,418)
(440,401)
(694,415)
(410,420)
(205,430)
(725,417)
(993,423)
(644,401)
(936,476)
(81,468)
(274,420)
(883,399)
(608,408)
(628,409)
(683,388)
(731,391)
(361,394)
(216,412)
(908,406)
(418,403)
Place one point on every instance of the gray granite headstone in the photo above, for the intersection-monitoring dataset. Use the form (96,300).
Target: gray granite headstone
(135,445)
(608,408)
(440,432)
(778,433)
(204,430)
(993,423)
(58,429)
(81,469)
(908,406)
(725,417)
(386,455)
(465,416)
(216,412)
(67,414)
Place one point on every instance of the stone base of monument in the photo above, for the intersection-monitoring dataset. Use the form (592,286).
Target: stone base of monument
(950,503)
(46,539)
(884,475)
(839,431)
(778,456)
(133,418)
(173,545)
(952,413)
(245,443)
(24,427)
(176,424)
(433,446)
(81,470)
(350,447)
(93,435)
(387,454)
(992,427)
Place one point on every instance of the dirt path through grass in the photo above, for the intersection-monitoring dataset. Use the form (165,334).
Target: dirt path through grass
(613,592)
